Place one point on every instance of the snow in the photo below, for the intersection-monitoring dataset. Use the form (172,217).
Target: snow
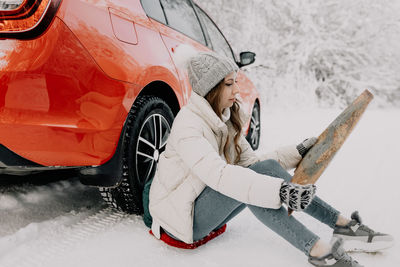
(310,54)
(67,224)
(6,47)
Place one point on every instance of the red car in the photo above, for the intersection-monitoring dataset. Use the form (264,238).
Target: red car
(92,85)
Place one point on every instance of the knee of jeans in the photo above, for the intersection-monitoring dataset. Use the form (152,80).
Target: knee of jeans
(271,167)
(273,164)
(265,164)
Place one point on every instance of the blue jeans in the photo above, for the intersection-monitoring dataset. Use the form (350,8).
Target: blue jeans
(213,209)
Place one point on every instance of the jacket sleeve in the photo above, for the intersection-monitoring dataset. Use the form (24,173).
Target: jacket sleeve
(248,156)
(242,184)
(287,156)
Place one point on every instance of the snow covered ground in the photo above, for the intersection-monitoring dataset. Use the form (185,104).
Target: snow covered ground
(66,224)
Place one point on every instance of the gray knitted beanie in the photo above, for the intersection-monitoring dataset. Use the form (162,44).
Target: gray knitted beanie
(207,69)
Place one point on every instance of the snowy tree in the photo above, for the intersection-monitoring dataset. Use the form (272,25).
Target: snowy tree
(316,51)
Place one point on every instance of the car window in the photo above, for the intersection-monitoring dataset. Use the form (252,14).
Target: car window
(181,16)
(219,44)
(154,10)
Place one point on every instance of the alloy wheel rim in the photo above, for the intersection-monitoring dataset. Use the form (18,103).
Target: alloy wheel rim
(255,127)
(151,143)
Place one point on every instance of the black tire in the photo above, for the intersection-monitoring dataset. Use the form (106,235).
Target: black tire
(253,136)
(147,128)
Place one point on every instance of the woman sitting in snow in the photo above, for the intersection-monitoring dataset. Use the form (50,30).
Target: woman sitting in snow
(208,174)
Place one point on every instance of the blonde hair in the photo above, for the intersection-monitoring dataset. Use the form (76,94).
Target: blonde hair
(214,98)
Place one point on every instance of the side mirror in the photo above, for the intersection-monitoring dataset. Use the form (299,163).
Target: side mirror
(246,58)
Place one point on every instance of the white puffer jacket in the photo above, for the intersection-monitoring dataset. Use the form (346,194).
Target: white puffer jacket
(194,158)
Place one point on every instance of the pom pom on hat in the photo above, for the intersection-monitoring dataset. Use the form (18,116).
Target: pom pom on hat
(182,54)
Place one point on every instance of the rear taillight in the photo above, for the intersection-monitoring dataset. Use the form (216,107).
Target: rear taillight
(10,4)
(24,19)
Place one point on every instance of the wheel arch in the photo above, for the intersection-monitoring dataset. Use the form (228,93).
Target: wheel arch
(256,100)
(163,91)
(108,174)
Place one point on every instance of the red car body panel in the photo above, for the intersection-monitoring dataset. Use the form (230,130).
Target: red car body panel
(65,95)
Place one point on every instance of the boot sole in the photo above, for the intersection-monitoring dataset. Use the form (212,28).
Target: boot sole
(361,245)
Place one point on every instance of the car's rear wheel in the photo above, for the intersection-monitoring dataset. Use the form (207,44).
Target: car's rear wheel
(253,136)
(147,128)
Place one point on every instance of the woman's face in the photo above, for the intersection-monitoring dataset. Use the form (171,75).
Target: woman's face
(229,91)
